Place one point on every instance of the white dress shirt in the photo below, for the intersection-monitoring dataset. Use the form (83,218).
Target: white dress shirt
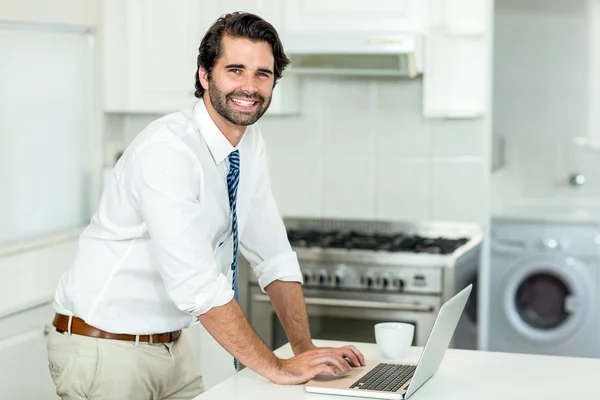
(158,251)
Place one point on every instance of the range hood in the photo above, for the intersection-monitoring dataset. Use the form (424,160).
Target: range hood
(354,53)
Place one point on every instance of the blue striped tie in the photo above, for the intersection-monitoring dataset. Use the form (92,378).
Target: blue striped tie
(233,180)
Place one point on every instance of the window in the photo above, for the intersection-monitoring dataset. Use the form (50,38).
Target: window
(50,150)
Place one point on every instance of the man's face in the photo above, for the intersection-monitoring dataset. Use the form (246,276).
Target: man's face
(241,82)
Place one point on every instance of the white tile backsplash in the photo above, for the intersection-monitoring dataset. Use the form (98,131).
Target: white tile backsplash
(349,186)
(402,134)
(347,118)
(295,134)
(399,95)
(540,163)
(297,182)
(457,138)
(361,148)
(459,190)
(538,172)
(402,188)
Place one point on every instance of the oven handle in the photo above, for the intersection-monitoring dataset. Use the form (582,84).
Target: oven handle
(316,301)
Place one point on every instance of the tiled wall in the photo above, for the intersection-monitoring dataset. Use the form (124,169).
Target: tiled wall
(541,104)
(362,149)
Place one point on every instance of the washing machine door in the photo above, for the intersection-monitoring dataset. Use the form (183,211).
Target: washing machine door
(546,298)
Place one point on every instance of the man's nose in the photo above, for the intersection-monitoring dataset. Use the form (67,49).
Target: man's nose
(249,86)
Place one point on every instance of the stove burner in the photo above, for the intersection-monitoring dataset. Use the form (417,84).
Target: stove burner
(398,242)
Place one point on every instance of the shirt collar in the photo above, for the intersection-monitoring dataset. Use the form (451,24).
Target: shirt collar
(219,146)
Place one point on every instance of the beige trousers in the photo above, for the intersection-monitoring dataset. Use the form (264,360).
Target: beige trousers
(87,368)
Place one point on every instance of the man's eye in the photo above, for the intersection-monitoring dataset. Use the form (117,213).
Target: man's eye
(235,71)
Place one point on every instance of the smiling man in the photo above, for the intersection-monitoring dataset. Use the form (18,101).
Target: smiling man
(161,251)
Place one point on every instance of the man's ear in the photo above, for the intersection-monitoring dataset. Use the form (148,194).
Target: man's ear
(203,76)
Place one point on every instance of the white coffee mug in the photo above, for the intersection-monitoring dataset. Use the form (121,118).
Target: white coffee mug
(394,338)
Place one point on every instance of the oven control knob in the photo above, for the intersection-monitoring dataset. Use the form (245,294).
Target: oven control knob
(336,279)
(383,281)
(307,276)
(367,281)
(398,283)
(322,278)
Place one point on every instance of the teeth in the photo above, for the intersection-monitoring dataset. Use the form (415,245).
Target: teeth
(242,102)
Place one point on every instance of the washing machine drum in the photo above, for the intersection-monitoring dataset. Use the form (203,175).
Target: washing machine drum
(547,298)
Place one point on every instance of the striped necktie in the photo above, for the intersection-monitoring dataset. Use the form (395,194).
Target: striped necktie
(233,180)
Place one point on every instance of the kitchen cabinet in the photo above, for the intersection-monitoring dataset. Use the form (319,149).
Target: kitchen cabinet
(149,51)
(24,372)
(457,60)
(214,362)
(309,16)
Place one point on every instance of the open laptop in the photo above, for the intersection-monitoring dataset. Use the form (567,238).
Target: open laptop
(393,380)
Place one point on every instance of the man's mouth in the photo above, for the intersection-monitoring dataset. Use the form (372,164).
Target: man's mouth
(244,104)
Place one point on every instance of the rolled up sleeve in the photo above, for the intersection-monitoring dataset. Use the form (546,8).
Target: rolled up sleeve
(264,240)
(165,182)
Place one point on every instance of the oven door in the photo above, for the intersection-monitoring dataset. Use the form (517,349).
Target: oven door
(347,316)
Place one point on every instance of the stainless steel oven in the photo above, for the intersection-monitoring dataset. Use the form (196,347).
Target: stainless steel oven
(346,315)
(359,273)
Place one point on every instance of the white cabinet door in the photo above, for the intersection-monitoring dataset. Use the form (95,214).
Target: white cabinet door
(270,10)
(24,372)
(214,362)
(149,52)
(163,38)
(352,15)
(456,77)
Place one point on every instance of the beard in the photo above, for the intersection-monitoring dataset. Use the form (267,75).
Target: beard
(221,103)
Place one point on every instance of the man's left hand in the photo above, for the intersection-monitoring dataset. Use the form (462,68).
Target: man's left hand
(350,352)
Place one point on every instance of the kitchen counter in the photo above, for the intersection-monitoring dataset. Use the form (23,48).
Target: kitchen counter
(549,214)
(464,375)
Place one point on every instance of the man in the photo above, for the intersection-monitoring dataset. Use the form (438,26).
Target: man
(189,190)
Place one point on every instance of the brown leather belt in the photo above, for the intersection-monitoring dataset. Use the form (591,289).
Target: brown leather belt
(79,327)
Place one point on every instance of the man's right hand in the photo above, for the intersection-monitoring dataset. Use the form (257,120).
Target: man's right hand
(229,327)
(307,365)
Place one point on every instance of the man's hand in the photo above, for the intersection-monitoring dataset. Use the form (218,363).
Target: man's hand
(349,352)
(230,328)
(309,364)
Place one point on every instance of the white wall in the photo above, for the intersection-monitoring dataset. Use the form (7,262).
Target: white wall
(541,104)
(76,12)
(38,263)
(361,149)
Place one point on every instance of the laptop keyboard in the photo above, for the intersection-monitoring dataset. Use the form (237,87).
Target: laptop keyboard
(385,377)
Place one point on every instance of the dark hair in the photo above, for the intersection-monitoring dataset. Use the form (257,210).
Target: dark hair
(238,25)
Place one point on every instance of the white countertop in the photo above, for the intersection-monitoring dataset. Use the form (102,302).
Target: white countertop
(464,375)
(549,214)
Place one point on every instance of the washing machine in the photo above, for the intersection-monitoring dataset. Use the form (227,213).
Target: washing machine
(544,288)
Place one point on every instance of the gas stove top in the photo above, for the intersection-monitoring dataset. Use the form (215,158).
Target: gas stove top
(393,242)
(381,256)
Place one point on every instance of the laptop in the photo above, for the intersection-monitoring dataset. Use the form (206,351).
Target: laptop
(394,380)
